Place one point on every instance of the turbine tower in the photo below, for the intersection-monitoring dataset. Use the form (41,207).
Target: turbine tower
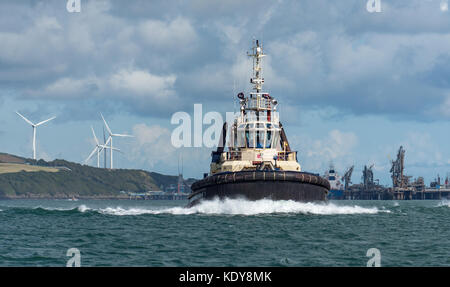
(110,139)
(34,126)
(104,142)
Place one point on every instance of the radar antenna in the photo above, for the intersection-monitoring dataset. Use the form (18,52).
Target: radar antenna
(257,54)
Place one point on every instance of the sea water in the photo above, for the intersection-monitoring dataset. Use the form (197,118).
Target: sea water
(224,233)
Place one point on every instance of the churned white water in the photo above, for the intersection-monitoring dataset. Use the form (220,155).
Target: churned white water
(246,207)
(444,202)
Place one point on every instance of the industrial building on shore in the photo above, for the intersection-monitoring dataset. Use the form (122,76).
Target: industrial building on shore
(403,187)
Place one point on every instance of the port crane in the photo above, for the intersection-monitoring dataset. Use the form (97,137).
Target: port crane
(347,177)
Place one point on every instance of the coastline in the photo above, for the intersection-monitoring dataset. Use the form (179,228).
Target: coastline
(89,197)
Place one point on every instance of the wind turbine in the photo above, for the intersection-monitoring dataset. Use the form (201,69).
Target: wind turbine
(98,148)
(34,130)
(110,139)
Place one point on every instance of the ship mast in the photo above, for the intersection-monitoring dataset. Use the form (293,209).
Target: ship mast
(257,54)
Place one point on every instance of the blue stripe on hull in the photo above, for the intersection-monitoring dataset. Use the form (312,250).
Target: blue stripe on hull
(335,193)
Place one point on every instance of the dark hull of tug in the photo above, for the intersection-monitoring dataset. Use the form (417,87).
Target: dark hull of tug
(255,185)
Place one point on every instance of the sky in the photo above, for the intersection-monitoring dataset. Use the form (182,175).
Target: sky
(352,86)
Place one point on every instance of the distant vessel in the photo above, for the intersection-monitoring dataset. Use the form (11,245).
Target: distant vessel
(336,186)
(259,162)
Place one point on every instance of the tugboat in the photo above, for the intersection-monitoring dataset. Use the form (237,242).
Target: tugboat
(259,162)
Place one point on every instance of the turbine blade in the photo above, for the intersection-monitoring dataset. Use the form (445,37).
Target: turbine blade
(92,153)
(107,127)
(121,135)
(113,148)
(96,140)
(43,122)
(105,146)
(27,120)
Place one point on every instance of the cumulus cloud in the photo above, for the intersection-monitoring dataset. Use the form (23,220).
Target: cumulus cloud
(67,87)
(319,54)
(422,150)
(92,55)
(28,46)
(337,147)
(337,144)
(143,83)
(137,90)
(176,35)
(153,147)
(374,74)
(444,109)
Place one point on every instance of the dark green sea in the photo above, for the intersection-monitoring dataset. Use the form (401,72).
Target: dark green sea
(229,233)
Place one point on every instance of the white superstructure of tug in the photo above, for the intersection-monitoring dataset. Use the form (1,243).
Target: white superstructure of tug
(257,140)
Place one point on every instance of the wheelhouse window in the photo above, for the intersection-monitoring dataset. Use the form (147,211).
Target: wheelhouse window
(269,139)
(259,135)
(275,134)
(241,135)
(250,136)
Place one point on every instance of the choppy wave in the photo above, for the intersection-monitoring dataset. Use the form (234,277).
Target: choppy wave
(45,209)
(245,207)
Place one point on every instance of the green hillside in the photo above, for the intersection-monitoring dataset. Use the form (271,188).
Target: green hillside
(72,179)
(18,167)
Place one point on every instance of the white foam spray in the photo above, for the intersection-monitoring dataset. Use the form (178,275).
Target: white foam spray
(83,208)
(444,202)
(246,207)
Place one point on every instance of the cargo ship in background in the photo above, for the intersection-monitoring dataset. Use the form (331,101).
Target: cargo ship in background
(258,162)
(336,184)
